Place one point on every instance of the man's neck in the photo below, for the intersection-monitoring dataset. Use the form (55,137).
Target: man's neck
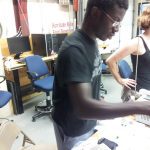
(86,28)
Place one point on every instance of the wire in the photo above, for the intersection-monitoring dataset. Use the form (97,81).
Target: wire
(19,33)
(25,19)
(137,60)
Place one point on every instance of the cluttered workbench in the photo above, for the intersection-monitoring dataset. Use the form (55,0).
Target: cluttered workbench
(118,134)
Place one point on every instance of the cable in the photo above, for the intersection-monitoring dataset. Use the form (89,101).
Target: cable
(137,50)
(25,19)
(19,33)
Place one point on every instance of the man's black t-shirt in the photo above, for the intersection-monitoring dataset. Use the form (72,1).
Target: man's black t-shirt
(78,62)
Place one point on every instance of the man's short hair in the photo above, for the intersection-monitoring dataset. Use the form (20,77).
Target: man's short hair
(144,19)
(106,4)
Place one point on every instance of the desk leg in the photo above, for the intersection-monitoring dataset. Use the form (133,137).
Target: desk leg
(17,102)
(52,66)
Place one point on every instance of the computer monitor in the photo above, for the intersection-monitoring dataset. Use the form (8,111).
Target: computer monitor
(57,40)
(43,44)
(39,44)
(18,45)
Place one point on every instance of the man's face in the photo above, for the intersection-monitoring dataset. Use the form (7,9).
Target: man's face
(108,23)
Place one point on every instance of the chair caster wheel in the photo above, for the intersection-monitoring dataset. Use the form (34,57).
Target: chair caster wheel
(35,108)
(51,109)
(33,119)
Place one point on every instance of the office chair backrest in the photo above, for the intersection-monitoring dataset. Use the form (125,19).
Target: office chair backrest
(124,69)
(35,64)
(5,96)
(8,134)
(11,136)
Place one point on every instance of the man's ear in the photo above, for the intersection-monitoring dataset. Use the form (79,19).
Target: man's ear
(95,12)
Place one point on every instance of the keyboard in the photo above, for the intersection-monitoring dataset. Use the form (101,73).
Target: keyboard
(21,60)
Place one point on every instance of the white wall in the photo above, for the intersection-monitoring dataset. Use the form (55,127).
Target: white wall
(136,2)
(126,25)
(43,15)
(7,18)
(49,17)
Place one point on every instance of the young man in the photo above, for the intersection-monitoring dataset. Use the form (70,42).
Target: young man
(77,76)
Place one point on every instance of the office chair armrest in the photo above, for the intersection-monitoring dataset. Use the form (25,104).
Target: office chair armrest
(50,74)
(32,75)
(2,78)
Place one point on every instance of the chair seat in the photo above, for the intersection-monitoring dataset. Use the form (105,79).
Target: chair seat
(5,96)
(45,84)
(124,69)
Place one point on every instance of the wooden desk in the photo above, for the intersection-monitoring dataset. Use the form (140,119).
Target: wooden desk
(15,65)
(126,132)
(14,68)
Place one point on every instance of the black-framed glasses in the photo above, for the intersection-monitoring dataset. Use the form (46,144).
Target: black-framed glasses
(115,23)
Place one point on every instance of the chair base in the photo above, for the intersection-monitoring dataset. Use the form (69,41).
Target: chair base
(102,88)
(42,112)
(44,108)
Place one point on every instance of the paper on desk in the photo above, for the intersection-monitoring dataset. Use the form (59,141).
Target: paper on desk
(144,92)
(91,144)
(127,133)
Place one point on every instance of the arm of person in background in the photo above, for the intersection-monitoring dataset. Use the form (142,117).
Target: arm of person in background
(112,61)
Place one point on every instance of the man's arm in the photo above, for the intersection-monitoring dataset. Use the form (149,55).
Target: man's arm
(87,108)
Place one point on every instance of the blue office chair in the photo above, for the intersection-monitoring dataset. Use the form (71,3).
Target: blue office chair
(42,80)
(124,69)
(104,68)
(5,96)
